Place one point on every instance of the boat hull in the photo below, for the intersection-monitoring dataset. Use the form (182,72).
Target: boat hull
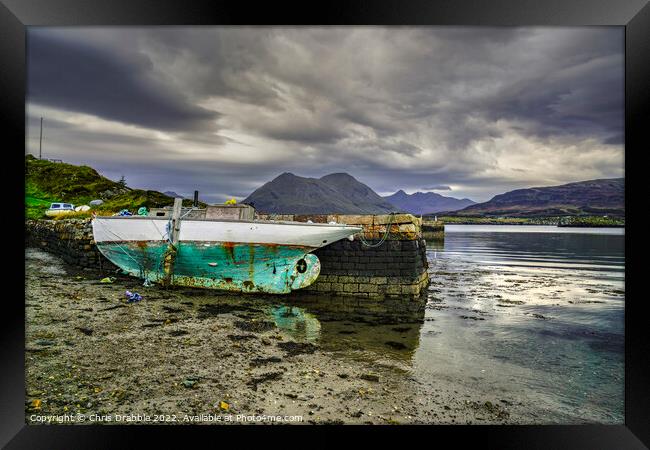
(246,232)
(242,256)
(263,268)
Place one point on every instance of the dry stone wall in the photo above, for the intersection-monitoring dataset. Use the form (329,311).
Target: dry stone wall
(70,239)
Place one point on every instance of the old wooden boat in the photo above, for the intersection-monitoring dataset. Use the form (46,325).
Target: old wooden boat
(228,254)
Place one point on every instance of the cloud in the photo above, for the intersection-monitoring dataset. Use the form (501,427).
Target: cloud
(75,76)
(224,109)
(438,187)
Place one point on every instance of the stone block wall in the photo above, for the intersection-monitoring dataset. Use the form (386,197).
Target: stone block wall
(395,269)
(433,230)
(70,239)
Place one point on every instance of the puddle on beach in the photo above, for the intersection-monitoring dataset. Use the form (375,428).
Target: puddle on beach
(362,339)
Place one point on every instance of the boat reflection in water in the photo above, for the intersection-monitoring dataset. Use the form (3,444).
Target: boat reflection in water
(297,322)
(352,326)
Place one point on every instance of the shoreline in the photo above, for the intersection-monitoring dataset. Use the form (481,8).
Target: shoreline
(535,225)
(198,352)
(557,221)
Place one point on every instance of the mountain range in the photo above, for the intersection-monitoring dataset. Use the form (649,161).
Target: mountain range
(426,202)
(591,197)
(337,193)
(172,194)
(341,193)
(47,182)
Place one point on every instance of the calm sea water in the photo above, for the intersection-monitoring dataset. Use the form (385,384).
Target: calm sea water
(535,310)
(530,316)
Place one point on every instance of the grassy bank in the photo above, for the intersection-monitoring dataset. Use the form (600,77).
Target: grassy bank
(47,182)
(498,220)
(581,221)
(593,221)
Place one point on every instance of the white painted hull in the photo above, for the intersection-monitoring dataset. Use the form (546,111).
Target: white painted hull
(135,228)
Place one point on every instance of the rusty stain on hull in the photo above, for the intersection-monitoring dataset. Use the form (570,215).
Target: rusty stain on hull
(229,247)
(231,266)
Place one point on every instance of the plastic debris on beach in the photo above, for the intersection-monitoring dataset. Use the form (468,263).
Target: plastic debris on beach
(132,297)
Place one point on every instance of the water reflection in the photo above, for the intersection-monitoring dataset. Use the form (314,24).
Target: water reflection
(353,327)
(536,313)
(435,245)
(296,322)
(533,319)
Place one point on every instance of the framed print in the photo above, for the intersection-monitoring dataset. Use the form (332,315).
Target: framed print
(371,216)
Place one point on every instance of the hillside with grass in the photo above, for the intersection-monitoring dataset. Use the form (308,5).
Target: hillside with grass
(47,182)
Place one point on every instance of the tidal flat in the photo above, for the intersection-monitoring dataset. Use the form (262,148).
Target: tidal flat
(193,352)
(517,328)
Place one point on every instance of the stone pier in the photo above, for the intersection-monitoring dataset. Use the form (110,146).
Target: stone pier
(374,264)
(433,230)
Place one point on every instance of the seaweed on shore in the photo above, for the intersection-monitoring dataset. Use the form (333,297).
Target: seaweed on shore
(254,382)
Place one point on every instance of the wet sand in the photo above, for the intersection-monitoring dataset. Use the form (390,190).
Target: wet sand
(192,355)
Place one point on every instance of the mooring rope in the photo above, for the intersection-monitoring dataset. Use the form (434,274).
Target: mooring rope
(143,272)
(381,241)
(183,216)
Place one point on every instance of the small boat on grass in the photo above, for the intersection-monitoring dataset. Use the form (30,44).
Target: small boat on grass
(229,254)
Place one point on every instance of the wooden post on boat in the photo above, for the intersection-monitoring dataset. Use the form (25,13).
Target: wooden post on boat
(174,232)
(176,220)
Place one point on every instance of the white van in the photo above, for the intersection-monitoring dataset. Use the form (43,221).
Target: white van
(56,209)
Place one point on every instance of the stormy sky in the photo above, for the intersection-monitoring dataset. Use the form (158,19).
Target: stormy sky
(463,111)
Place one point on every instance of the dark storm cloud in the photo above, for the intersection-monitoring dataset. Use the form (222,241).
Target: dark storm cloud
(584,99)
(75,76)
(478,110)
(114,154)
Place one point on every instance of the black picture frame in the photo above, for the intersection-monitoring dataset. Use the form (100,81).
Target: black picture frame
(634,15)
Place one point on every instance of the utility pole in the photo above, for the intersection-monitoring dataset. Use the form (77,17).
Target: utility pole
(40,143)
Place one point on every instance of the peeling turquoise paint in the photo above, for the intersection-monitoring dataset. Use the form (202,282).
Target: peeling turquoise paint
(229,266)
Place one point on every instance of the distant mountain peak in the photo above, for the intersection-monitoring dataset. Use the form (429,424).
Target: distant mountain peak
(426,202)
(334,193)
(338,176)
